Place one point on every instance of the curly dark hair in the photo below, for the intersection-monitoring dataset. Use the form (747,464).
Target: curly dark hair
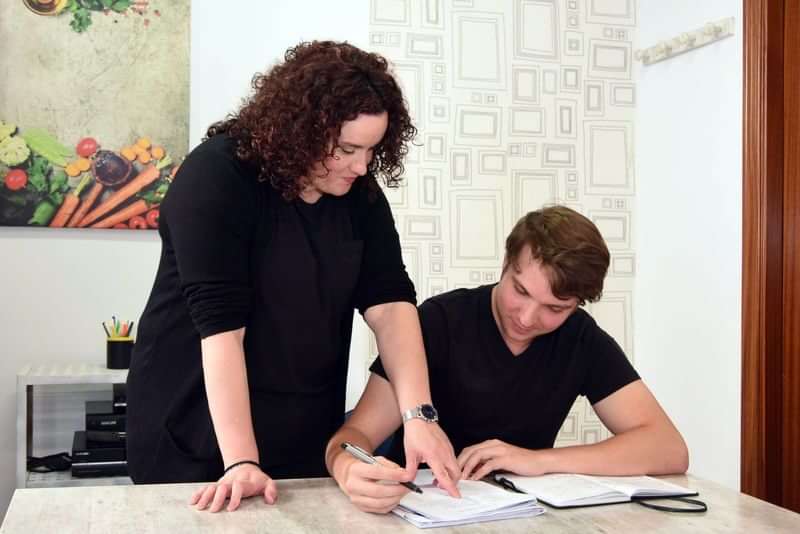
(569,246)
(294,117)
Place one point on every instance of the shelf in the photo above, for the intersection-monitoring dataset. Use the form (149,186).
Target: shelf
(66,373)
(69,373)
(64,479)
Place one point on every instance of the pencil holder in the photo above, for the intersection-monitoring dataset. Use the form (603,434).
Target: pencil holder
(118,352)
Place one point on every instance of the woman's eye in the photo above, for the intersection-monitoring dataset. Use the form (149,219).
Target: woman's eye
(555,309)
(347,151)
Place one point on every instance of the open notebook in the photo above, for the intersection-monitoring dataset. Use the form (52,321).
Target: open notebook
(568,490)
(479,502)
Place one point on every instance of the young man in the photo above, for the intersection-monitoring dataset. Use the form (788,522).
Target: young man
(506,363)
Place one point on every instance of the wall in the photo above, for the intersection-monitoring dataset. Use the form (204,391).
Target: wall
(56,287)
(519,104)
(688,236)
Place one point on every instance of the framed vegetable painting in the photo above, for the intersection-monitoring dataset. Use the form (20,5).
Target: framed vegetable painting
(94,110)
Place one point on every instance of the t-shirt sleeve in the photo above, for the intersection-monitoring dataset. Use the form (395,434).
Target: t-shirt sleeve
(434,336)
(383,275)
(206,220)
(610,369)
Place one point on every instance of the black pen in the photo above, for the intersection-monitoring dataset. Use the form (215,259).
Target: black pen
(506,484)
(367,458)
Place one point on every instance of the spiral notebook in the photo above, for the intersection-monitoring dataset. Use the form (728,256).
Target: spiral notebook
(480,501)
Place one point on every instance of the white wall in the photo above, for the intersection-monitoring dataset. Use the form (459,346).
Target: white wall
(231,43)
(688,280)
(56,286)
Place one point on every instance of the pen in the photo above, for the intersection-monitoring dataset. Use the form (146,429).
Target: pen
(367,458)
(507,484)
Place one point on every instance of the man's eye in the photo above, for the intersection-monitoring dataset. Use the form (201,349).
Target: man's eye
(519,290)
(556,309)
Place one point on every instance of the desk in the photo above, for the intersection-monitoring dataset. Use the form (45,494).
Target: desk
(317,505)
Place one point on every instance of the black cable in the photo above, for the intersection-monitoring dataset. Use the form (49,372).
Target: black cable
(61,461)
(694,506)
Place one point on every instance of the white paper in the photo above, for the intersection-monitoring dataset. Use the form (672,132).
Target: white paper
(574,489)
(560,489)
(480,501)
(642,485)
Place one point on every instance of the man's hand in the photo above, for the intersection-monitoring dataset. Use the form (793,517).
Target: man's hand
(426,442)
(362,482)
(240,482)
(477,461)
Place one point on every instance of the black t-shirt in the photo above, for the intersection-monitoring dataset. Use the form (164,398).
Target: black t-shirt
(482,391)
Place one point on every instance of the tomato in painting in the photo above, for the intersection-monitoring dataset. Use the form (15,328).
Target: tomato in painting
(152,218)
(16,179)
(86,147)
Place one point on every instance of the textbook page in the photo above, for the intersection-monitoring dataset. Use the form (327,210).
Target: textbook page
(642,486)
(576,490)
(566,489)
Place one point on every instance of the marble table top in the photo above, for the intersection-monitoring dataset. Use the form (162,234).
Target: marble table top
(317,505)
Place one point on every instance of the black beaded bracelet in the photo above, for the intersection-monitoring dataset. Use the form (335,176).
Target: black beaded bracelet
(242,462)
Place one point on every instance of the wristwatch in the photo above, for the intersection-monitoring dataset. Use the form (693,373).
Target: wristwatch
(426,412)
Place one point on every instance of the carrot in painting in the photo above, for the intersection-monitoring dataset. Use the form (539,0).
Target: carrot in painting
(69,204)
(149,175)
(86,203)
(137,222)
(136,209)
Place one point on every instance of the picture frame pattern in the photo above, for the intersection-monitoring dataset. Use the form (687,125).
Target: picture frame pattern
(520,104)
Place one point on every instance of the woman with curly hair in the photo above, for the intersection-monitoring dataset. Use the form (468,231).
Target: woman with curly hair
(273,231)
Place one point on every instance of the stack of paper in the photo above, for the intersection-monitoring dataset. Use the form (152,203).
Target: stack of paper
(479,502)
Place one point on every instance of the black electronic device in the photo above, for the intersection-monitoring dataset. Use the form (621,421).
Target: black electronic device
(97,439)
(83,453)
(99,469)
(100,415)
(120,398)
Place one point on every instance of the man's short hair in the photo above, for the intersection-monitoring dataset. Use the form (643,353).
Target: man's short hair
(570,247)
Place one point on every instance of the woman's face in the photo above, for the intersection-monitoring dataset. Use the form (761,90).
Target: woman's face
(336,173)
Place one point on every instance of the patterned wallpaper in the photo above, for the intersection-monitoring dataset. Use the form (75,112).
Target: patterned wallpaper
(520,104)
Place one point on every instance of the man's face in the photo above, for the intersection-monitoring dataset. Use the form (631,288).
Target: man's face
(523,304)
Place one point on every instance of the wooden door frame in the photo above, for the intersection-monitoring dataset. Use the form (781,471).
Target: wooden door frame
(770,263)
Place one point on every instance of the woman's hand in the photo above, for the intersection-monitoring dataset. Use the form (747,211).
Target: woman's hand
(477,461)
(427,442)
(362,483)
(239,483)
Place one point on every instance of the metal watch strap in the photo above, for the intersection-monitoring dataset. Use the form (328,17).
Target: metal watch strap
(411,413)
